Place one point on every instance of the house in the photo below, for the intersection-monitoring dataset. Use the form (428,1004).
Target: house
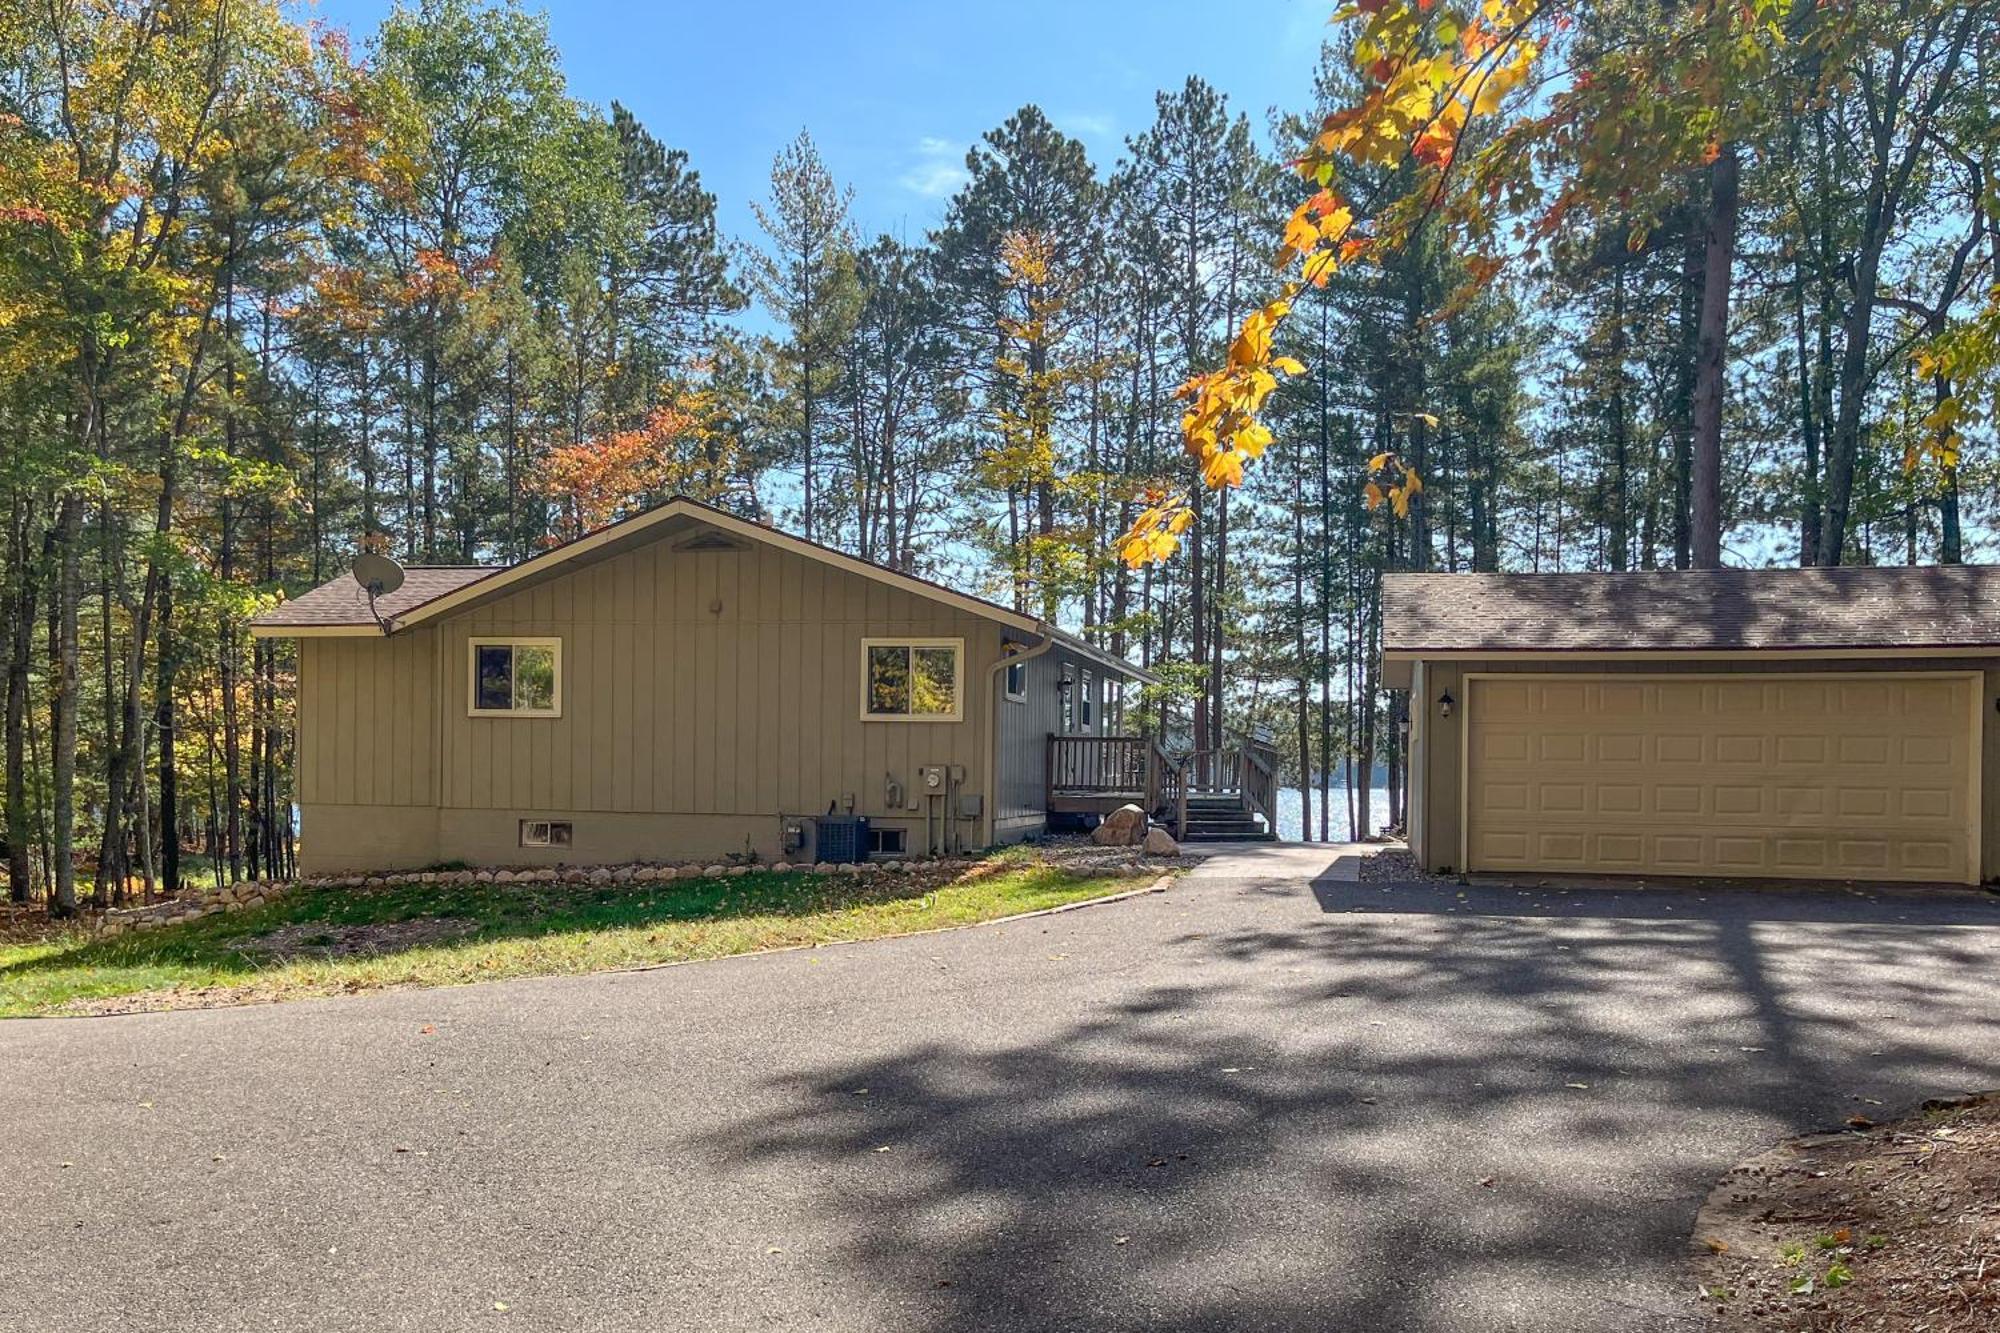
(684,684)
(1798,723)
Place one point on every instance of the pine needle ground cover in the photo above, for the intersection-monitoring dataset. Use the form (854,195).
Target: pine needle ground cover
(318,942)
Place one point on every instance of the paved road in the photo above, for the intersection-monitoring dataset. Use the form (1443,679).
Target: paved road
(1270,1098)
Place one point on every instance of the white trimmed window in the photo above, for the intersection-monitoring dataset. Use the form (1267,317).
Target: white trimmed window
(516,678)
(1088,706)
(545,833)
(1017,682)
(912,680)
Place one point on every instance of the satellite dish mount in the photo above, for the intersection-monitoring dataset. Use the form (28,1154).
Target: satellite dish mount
(378,576)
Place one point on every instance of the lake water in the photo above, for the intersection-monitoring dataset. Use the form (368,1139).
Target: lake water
(1288,812)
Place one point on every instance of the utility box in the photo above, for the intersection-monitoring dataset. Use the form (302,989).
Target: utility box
(840,838)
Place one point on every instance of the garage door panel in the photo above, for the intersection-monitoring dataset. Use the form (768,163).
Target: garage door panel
(1933,751)
(1809,750)
(1866,751)
(1785,775)
(1678,749)
(1620,747)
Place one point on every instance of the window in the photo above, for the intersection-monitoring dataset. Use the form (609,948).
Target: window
(1067,692)
(545,833)
(516,678)
(1114,705)
(886,841)
(911,680)
(1017,682)
(1089,708)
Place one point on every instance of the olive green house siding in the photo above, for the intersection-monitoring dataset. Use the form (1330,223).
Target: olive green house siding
(706,697)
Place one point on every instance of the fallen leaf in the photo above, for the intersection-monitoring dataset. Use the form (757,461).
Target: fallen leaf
(1119,1240)
(883,1148)
(1716,1246)
(1487,1183)
(427,1029)
(1860,1122)
(501,1306)
(1582,1087)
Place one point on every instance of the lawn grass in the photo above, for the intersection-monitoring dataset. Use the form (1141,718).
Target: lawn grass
(501,930)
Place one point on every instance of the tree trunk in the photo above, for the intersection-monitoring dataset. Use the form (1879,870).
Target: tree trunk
(63,707)
(20,649)
(163,725)
(1712,361)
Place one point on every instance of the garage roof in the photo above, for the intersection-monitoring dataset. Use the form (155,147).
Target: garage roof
(1897,607)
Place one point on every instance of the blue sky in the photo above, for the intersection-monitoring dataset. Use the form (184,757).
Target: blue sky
(894,91)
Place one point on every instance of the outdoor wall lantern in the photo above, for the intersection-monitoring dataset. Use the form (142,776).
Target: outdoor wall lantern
(1445,702)
(1064,684)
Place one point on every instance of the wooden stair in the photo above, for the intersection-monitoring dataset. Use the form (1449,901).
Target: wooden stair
(1224,818)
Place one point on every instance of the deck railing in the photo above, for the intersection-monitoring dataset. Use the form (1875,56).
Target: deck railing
(1098,772)
(1122,765)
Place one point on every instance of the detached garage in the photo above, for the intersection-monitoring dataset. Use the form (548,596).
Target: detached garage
(1821,723)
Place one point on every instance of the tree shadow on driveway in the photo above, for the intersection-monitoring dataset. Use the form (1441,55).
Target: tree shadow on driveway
(1393,1119)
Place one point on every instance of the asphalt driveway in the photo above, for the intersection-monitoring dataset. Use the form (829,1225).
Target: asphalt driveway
(1270,1098)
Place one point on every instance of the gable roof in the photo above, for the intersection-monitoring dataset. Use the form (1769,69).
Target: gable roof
(342,602)
(340,607)
(1712,610)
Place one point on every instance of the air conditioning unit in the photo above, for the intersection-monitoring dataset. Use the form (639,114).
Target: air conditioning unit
(840,838)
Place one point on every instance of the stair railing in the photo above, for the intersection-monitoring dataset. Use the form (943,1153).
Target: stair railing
(1247,770)
(1258,765)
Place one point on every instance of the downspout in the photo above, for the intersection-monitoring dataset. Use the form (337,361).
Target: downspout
(995,701)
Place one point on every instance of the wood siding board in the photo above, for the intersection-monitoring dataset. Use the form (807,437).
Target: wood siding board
(624,674)
(703,766)
(787,708)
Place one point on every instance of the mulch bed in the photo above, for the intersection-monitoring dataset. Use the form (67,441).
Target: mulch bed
(317,939)
(1882,1227)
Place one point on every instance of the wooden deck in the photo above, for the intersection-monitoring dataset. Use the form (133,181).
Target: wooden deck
(1098,774)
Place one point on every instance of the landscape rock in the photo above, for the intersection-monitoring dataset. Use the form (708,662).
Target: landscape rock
(1159,842)
(1123,827)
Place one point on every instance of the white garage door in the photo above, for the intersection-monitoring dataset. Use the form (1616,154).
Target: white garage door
(1839,776)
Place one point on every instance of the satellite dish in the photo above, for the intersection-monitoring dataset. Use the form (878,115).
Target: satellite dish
(378,576)
(377,573)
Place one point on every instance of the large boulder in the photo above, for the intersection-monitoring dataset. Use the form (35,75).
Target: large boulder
(1123,827)
(1159,842)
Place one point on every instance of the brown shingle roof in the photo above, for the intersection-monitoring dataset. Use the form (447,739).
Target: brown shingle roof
(1921,606)
(342,602)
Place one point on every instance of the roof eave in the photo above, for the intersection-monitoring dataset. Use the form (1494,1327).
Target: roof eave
(1090,650)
